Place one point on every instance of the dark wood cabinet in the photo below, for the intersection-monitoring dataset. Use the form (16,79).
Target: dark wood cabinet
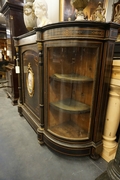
(3,56)
(3,42)
(13,12)
(65,72)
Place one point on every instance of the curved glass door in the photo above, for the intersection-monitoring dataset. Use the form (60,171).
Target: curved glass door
(71,72)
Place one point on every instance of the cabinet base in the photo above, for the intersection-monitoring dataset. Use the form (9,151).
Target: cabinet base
(66,150)
(31,118)
(63,147)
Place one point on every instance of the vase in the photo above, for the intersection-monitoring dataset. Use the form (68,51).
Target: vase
(79,5)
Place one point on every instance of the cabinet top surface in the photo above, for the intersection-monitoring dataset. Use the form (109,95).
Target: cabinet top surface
(88,24)
(74,29)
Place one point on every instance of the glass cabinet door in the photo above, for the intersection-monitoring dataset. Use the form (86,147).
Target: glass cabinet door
(71,77)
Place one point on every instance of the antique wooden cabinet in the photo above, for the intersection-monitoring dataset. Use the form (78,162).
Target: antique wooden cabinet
(65,71)
(13,12)
(3,41)
(3,56)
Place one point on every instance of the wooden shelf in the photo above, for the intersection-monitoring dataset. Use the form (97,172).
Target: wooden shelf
(71,78)
(69,129)
(71,106)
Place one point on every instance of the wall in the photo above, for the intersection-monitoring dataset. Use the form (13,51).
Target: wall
(53,10)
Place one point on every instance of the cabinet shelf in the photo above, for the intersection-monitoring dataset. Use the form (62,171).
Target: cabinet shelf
(71,106)
(71,78)
(69,129)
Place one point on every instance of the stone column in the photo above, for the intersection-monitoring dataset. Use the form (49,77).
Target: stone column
(112,115)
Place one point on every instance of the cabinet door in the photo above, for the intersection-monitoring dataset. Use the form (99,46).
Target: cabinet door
(30,81)
(71,83)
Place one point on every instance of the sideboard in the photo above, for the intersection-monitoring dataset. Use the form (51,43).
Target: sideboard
(65,72)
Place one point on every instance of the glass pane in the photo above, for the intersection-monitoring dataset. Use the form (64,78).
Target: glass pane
(71,72)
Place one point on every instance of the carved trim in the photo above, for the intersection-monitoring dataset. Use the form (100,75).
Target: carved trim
(40,47)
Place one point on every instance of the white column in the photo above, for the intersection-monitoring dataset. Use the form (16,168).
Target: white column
(112,115)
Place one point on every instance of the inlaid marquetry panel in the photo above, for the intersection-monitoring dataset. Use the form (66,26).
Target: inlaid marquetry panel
(31,57)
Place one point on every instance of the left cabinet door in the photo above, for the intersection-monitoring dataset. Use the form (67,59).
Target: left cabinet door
(29,84)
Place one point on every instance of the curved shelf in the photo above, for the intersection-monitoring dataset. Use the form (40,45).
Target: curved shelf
(69,130)
(71,78)
(71,106)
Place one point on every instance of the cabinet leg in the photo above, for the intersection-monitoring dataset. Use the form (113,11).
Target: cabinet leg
(20,110)
(40,136)
(94,155)
(14,102)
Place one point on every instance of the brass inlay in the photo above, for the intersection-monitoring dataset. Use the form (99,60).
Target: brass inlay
(16,48)
(39,44)
(74,33)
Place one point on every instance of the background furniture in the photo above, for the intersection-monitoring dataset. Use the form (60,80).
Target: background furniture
(2,50)
(13,12)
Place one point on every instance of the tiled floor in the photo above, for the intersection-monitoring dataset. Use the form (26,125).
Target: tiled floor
(22,158)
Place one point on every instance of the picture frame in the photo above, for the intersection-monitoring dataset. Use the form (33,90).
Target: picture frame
(67,11)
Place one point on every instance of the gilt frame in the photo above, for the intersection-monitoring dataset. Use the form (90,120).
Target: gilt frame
(65,11)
